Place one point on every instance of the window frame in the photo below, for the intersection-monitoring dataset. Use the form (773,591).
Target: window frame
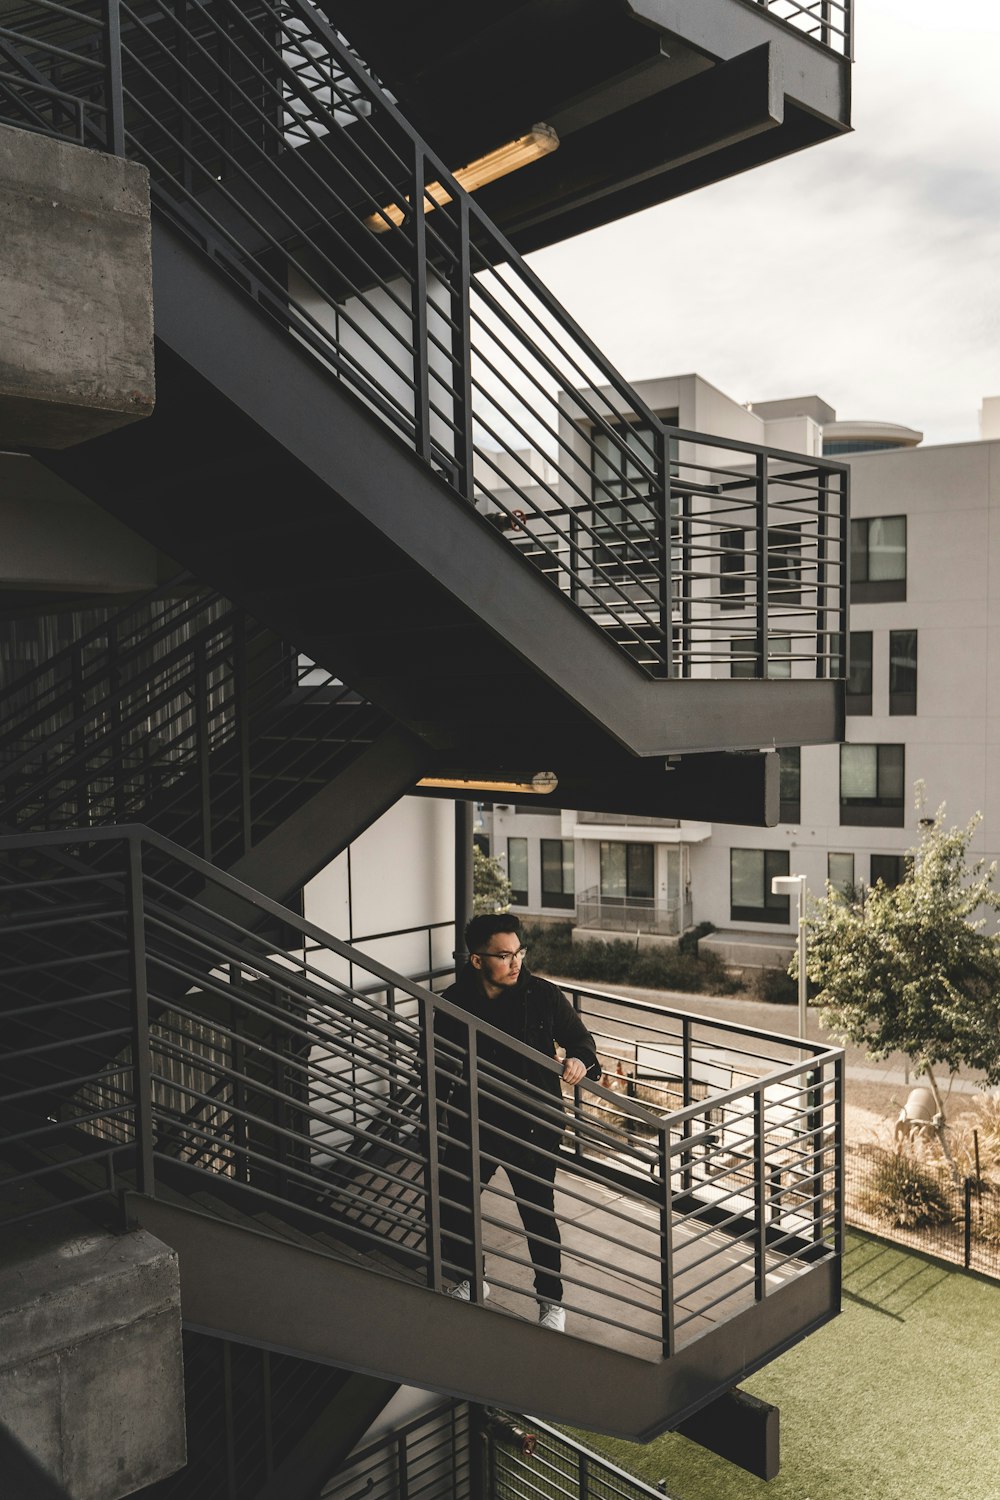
(884,809)
(902,701)
(860,702)
(775,910)
(866,590)
(562,899)
(790,772)
(518,894)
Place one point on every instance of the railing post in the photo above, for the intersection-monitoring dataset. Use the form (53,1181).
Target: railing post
(687,1175)
(666,1245)
(201,733)
(662,506)
(141,1067)
(814,1125)
(475,1184)
(80,737)
(461,350)
(113,76)
(824,662)
(760,1195)
(838,1153)
(402,1469)
(242,714)
(763,585)
(418,311)
(431,1170)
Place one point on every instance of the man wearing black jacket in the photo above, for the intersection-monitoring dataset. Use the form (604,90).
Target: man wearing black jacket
(520,1125)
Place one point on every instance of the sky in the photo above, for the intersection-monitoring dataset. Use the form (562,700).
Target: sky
(865,269)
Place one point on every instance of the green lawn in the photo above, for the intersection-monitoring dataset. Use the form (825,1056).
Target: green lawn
(897,1399)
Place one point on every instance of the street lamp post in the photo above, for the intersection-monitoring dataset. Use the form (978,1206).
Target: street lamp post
(787,885)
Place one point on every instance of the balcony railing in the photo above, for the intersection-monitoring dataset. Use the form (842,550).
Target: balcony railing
(179,709)
(151,1042)
(279,156)
(829,22)
(635,915)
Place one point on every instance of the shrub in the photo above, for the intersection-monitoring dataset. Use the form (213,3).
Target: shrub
(594,961)
(902,1193)
(773,985)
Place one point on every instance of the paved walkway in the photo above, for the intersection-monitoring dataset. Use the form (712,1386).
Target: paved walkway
(894,1074)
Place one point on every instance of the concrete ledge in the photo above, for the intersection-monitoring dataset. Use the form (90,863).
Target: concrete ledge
(76,301)
(91,1375)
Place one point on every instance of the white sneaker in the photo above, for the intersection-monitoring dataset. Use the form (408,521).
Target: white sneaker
(463,1292)
(551,1315)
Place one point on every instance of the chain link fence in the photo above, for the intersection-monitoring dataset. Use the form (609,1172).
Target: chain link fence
(911,1195)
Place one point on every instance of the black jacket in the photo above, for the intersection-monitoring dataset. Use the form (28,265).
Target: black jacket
(535,1012)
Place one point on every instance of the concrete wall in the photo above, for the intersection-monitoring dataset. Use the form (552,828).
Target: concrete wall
(91,1379)
(76,303)
(399,874)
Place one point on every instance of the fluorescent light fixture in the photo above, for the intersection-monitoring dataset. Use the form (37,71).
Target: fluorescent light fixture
(539,141)
(539,785)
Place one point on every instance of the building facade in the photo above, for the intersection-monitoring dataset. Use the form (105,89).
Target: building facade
(921,730)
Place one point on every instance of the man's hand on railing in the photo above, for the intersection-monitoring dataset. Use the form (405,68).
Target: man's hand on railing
(573,1070)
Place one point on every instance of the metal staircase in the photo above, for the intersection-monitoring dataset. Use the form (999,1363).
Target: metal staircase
(182,713)
(436,452)
(235,1098)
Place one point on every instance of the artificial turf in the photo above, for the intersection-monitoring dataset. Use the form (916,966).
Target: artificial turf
(897,1398)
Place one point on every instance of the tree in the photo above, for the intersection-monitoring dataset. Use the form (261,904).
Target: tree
(491,890)
(910,968)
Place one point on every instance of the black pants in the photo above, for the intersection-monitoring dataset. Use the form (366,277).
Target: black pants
(535,1204)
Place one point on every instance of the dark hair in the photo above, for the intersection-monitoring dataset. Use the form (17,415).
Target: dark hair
(480,929)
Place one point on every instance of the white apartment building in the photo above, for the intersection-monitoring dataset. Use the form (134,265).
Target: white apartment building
(923,706)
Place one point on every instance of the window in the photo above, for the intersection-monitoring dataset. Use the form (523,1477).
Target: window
(871,785)
(878,559)
(539,809)
(517,871)
(558,887)
(750,874)
(732,568)
(840,872)
(784,564)
(859,681)
(622,461)
(889,868)
(626,873)
(790,785)
(902,671)
(743,656)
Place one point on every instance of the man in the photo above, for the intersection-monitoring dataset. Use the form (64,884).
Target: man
(520,1128)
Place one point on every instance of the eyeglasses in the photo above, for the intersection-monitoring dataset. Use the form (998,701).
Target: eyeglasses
(508,958)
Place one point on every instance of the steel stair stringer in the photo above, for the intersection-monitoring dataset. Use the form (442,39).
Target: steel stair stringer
(257,1288)
(282,490)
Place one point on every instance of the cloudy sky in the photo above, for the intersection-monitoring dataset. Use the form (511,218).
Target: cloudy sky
(866,269)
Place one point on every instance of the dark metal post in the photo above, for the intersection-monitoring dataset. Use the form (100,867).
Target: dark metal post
(201,733)
(141,1069)
(462,358)
(824,661)
(475,1185)
(760,664)
(418,311)
(402,1469)
(477,1453)
(666,1245)
(760,1196)
(463,876)
(814,1126)
(838,1154)
(687,1176)
(113,75)
(967,1204)
(432,1185)
(661,504)
(242,711)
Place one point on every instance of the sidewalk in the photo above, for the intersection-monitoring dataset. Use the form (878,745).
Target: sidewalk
(873,1088)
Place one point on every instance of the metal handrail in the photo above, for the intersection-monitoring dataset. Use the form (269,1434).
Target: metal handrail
(828,22)
(329,1091)
(185,712)
(274,150)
